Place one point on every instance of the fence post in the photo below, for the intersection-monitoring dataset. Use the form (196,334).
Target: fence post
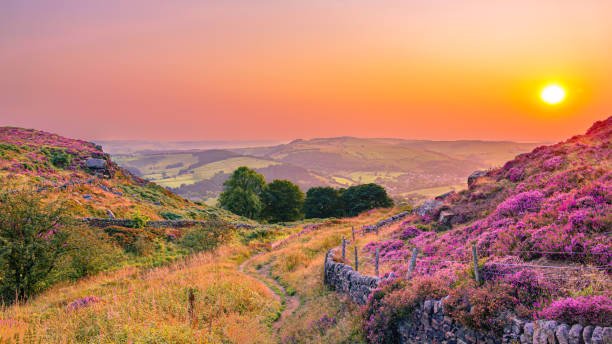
(343,249)
(376,260)
(475,254)
(353,230)
(413,259)
(356,260)
(191,305)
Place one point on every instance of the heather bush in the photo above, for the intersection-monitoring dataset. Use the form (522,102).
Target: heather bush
(483,308)
(520,204)
(585,310)
(395,301)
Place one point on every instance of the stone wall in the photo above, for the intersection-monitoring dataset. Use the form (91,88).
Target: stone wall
(429,324)
(385,222)
(102,223)
(344,279)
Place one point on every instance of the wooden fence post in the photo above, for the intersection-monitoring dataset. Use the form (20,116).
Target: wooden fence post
(475,254)
(343,249)
(356,260)
(376,260)
(412,265)
(191,305)
(353,230)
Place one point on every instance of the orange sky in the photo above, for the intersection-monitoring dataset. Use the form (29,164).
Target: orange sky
(250,69)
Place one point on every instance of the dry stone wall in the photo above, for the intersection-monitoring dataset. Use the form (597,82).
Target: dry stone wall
(344,279)
(429,324)
(102,223)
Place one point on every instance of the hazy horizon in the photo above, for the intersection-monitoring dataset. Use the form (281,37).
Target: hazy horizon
(278,70)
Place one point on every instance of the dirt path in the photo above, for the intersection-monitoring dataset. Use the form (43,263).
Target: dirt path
(290,302)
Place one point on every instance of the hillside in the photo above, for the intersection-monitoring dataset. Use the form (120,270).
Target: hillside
(87,178)
(404,167)
(541,225)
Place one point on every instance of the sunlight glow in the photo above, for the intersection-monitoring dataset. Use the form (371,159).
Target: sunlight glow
(553,94)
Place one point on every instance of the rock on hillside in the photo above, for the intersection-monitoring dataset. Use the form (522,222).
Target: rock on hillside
(81,173)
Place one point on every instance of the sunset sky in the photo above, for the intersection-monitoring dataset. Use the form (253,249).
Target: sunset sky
(283,69)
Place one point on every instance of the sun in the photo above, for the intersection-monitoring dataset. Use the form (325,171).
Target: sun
(552,94)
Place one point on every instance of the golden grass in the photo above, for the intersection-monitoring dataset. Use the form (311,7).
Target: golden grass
(138,306)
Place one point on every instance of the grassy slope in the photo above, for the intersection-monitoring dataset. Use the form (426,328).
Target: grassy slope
(150,306)
(26,158)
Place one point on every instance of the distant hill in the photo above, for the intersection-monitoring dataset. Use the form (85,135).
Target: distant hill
(404,167)
(84,175)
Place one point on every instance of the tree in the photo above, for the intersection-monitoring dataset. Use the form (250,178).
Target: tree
(322,202)
(283,201)
(242,191)
(364,197)
(31,242)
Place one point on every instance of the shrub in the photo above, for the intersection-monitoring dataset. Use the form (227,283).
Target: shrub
(170,215)
(521,203)
(206,237)
(58,157)
(395,301)
(481,308)
(585,310)
(139,220)
(33,237)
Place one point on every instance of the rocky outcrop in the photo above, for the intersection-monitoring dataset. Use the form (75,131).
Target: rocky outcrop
(429,207)
(475,175)
(342,278)
(95,163)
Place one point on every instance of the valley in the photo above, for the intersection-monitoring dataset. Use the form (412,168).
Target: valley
(408,169)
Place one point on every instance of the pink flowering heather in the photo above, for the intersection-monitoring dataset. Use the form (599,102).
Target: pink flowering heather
(585,310)
(550,207)
(524,202)
(83,302)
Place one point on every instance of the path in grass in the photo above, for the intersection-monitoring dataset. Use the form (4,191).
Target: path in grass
(262,273)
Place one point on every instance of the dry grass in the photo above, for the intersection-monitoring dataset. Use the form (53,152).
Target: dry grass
(298,265)
(151,306)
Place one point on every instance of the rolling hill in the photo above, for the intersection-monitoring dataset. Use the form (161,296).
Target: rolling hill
(86,177)
(404,167)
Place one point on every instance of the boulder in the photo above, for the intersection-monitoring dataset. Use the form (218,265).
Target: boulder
(475,175)
(95,163)
(428,207)
(445,217)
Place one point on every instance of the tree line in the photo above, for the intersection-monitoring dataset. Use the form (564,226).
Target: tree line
(246,193)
